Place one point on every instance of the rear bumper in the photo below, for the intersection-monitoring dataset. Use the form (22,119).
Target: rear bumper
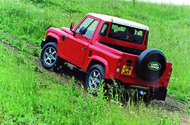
(158,93)
(139,82)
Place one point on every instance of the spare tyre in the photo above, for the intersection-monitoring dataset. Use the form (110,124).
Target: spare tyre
(150,65)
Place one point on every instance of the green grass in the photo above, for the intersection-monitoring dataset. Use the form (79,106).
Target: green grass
(23,97)
(169,27)
(29,97)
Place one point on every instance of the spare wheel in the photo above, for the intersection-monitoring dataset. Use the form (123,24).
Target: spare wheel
(150,65)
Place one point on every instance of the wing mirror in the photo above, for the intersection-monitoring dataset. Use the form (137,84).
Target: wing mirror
(72,25)
(71,28)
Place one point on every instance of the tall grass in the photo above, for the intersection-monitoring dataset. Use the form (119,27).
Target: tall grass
(28,97)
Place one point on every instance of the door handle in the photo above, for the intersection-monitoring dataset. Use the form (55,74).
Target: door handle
(83,48)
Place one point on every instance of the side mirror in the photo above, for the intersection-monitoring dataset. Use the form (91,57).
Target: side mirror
(71,28)
(72,25)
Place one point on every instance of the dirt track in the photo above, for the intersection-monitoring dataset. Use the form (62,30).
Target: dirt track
(67,71)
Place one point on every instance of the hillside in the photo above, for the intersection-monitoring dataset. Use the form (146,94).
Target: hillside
(30,94)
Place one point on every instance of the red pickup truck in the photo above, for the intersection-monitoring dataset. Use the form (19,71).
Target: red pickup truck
(108,47)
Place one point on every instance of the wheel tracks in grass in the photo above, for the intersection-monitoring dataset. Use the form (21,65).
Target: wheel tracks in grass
(172,105)
(63,75)
(65,72)
(18,44)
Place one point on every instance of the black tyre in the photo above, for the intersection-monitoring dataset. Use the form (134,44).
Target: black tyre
(49,57)
(95,76)
(150,65)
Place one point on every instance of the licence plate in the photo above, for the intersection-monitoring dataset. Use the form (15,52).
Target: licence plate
(126,70)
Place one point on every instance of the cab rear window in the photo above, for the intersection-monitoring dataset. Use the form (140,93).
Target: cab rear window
(125,33)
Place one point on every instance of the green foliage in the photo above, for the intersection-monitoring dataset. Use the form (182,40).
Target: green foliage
(165,121)
(69,6)
(188,110)
(35,68)
(36,51)
(20,59)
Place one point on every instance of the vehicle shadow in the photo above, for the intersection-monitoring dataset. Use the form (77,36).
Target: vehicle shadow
(68,70)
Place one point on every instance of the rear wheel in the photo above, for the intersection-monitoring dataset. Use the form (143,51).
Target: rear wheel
(95,76)
(49,57)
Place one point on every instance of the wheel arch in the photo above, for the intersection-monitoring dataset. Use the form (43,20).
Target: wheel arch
(50,38)
(93,62)
(101,62)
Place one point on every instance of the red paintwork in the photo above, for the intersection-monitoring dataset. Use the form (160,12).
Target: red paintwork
(72,50)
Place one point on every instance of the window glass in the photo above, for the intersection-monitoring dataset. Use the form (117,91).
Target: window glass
(146,40)
(125,33)
(104,30)
(87,27)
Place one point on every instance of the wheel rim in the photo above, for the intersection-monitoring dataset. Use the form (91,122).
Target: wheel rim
(50,56)
(94,79)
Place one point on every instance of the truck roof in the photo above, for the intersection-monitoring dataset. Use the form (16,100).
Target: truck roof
(119,21)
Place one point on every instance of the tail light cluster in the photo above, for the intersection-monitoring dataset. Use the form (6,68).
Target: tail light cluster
(169,74)
(128,63)
(119,65)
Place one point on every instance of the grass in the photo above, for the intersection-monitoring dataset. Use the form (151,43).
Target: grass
(25,100)
(169,27)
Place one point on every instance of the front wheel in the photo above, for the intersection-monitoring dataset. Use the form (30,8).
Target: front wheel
(95,76)
(49,57)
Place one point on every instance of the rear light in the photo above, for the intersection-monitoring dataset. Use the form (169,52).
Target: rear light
(170,72)
(119,64)
(168,78)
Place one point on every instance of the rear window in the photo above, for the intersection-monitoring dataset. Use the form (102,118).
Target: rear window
(126,33)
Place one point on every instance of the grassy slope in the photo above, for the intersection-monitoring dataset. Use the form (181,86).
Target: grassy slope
(169,26)
(25,100)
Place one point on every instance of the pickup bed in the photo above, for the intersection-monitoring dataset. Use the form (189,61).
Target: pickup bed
(108,47)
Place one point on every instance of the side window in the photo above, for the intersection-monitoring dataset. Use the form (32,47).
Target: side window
(87,27)
(104,29)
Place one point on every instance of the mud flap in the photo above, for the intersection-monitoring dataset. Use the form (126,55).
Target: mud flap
(160,94)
